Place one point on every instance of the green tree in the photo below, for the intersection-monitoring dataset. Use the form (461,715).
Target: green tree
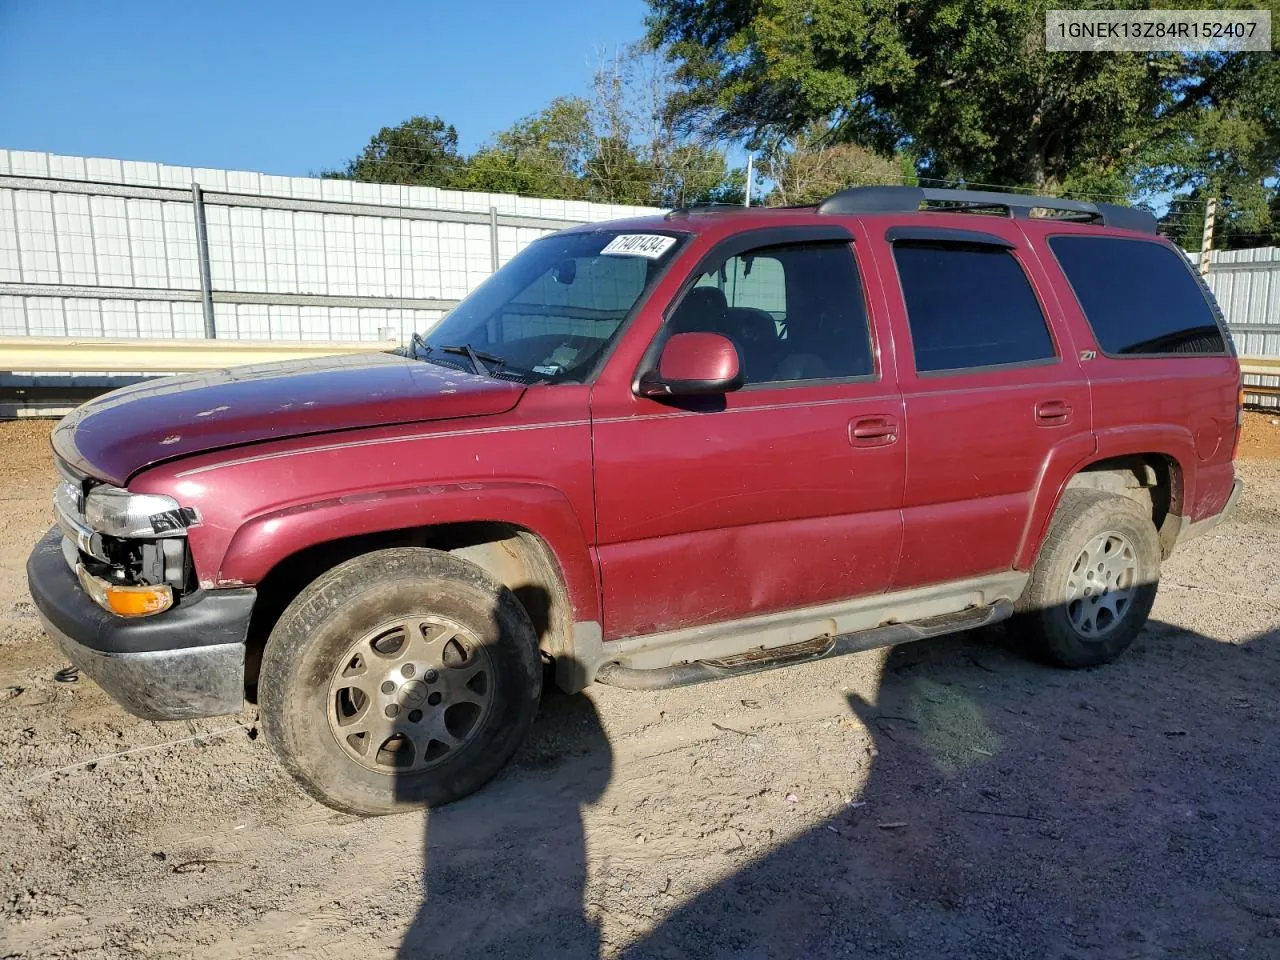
(643,157)
(544,155)
(619,146)
(1247,219)
(699,174)
(967,87)
(810,167)
(1226,147)
(422,151)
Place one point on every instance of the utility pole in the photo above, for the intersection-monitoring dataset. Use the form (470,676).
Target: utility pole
(746,199)
(1206,241)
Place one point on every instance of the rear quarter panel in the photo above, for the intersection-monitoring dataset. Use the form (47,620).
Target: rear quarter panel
(1181,406)
(1184,408)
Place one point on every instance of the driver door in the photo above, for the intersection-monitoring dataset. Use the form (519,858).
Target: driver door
(781,495)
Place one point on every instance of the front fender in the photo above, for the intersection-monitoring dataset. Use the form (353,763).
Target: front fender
(264,541)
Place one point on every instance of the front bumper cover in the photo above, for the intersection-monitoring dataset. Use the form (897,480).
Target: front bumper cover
(184,663)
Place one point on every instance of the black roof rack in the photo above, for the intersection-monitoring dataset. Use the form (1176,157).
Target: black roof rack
(695,208)
(910,199)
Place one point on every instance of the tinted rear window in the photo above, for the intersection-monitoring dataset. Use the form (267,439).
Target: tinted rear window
(1139,297)
(969,306)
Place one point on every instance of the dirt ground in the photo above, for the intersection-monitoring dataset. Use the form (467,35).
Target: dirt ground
(1260,438)
(944,799)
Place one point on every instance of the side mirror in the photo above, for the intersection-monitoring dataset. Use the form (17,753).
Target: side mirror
(694,364)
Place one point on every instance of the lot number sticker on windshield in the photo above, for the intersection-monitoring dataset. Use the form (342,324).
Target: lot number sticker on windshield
(651,245)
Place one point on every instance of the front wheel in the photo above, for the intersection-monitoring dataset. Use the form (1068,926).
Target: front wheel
(1095,580)
(400,678)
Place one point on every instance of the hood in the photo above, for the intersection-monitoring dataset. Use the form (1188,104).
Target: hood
(118,434)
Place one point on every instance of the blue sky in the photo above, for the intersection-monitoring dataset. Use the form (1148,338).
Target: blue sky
(287,88)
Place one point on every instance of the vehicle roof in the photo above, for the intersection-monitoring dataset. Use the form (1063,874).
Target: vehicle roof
(876,206)
(721,223)
(718,221)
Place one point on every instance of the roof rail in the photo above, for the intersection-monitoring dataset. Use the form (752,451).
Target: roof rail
(696,208)
(910,199)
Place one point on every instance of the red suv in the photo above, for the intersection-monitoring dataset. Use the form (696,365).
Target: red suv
(653,452)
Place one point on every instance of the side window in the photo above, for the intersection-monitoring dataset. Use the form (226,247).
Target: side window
(794,311)
(755,282)
(969,306)
(1139,297)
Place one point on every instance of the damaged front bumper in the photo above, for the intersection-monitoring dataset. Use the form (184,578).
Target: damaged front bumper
(184,663)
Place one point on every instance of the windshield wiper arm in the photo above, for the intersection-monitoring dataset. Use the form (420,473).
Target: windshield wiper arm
(476,356)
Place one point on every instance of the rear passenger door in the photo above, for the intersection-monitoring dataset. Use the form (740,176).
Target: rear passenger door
(780,495)
(993,394)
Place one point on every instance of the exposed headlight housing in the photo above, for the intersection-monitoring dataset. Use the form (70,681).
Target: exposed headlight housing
(119,513)
(125,600)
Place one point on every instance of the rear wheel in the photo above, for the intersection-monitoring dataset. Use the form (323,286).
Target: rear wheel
(1094,583)
(399,678)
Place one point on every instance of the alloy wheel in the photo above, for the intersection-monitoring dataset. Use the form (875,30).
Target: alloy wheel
(1100,585)
(409,693)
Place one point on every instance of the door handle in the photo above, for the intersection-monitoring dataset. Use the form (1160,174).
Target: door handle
(1052,413)
(873,431)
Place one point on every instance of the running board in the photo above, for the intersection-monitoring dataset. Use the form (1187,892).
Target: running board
(819,648)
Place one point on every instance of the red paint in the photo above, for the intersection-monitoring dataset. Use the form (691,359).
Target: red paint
(118,434)
(263,502)
(979,439)
(698,356)
(761,505)
(664,512)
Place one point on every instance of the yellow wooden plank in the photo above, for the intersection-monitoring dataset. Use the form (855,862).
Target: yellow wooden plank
(94,355)
(1260,366)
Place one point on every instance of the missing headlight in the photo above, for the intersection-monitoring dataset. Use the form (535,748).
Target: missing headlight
(164,561)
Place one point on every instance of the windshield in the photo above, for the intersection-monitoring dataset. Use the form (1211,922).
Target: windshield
(551,311)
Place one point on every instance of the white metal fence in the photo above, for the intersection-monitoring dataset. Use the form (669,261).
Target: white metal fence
(119,249)
(1246,284)
(108,248)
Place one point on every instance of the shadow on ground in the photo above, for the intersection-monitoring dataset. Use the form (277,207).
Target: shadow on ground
(1012,811)
(520,841)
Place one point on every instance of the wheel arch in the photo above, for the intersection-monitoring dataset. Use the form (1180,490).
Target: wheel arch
(550,573)
(1153,478)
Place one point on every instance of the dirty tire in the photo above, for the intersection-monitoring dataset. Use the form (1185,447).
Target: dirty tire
(1043,614)
(314,635)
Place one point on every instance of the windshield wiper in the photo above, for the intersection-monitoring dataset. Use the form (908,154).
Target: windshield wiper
(476,356)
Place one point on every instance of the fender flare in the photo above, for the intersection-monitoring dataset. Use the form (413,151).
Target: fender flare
(264,541)
(1068,459)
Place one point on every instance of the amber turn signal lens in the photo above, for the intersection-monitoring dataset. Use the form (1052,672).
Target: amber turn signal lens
(125,601)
